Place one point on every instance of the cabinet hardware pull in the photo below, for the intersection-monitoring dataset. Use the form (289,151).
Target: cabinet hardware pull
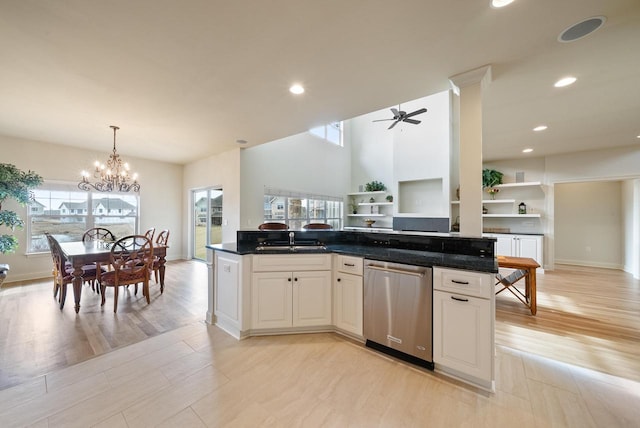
(459,299)
(349,264)
(339,279)
(295,279)
(401,271)
(289,279)
(460,282)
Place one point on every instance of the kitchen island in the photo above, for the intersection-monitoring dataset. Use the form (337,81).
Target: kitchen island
(282,282)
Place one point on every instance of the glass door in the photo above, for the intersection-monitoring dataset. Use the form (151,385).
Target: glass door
(207,220)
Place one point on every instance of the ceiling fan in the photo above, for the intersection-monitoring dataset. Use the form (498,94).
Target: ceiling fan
(403,116)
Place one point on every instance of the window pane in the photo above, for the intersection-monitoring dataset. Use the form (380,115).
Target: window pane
(316,209)
(215,236)
(274,207)
(119,226)
(297,209)
(334,209)
(333,133)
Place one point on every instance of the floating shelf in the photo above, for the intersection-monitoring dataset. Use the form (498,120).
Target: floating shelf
(529,183)
(377,192)
(511,215)
(491,201)
(374,203)
(366,215)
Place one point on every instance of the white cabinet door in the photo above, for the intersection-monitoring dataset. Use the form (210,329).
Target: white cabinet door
(311,298)
(271,300)
(462,337)
(227,290)
(505,245)
(530,246)
(348,303)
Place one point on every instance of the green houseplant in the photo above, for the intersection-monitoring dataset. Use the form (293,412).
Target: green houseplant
(491,177)
(374,186)
(14,184)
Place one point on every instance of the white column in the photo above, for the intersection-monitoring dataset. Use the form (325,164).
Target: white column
(468,86)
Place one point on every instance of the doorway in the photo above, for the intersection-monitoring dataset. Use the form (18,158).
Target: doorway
(207,220)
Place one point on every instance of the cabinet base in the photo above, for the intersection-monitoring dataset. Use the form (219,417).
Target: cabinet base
(400,355)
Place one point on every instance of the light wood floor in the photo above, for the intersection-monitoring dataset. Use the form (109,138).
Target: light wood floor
(589,317)
(174,370)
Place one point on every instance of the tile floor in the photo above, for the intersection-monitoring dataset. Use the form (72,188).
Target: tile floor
(198,376)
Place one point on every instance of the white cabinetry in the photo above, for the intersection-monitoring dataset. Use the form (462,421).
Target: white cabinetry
(230,300)
(347,294)
(463,325)
(291,291)
(519,246)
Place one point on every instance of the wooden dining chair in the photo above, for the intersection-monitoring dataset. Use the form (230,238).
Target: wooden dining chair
(273,226)
(131,259)
(317,226)
(161,240)
(97,234)
(63,272)
(150,233)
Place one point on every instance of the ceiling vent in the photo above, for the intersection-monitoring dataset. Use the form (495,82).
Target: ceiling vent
(581,29)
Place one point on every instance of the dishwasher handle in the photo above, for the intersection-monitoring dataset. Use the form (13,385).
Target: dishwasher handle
(394,270)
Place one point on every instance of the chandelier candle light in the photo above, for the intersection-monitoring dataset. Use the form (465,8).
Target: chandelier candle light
(114,176)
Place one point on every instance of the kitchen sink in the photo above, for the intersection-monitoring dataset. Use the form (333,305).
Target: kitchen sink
(291,248)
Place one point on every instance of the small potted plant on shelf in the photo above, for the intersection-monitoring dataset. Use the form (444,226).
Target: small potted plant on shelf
(14,184)
(490,179)
(353,205)
(374,186)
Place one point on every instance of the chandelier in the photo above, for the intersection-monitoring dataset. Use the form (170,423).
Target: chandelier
(114,176)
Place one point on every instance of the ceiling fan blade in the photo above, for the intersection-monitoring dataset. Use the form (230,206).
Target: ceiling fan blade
(381,120)
(422,110)
(393,124)
(415,122)
(395,112)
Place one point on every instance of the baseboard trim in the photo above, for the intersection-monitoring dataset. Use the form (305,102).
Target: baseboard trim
(614,266)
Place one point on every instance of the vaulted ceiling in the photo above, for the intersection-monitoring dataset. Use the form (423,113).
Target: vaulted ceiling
(185,80)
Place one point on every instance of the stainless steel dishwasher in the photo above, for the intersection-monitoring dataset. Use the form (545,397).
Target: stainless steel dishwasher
(398,310)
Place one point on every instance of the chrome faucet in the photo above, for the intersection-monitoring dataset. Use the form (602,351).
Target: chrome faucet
(291,238)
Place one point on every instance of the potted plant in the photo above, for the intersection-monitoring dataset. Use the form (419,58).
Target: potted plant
(374,186)
(491,177)
(14,184)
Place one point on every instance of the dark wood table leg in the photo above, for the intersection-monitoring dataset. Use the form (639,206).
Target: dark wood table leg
(162,261)
(77,286)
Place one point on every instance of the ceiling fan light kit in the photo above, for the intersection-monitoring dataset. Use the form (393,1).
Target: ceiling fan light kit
(403,116)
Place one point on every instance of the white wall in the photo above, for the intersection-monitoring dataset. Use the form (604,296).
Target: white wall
(588,224)
(406,153)
(160,182)
(631,226)
(222,171)
(301,162)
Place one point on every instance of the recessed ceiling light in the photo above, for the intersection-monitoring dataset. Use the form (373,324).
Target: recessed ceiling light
(296,89)
(638,136)
(527,150)
(500,3)
(565,81)
(581,29)
(540,128)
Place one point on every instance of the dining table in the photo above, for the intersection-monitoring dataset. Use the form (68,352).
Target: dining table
(80,253)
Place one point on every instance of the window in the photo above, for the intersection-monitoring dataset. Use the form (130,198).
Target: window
(66,212)
(297,209)
(331,132)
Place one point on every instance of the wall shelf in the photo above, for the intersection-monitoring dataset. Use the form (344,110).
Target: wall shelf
(374,203)
(511,215)
(366,215)
(491,201)
(525,184)
(377,192)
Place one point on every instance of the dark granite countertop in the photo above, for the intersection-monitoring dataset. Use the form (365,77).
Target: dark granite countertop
(398,255)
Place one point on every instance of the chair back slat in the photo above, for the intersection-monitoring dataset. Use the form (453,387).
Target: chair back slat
(163,238)
(98,234)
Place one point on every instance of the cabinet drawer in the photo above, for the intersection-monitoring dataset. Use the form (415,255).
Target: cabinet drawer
(478,284)
(349,264)
(290,262)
